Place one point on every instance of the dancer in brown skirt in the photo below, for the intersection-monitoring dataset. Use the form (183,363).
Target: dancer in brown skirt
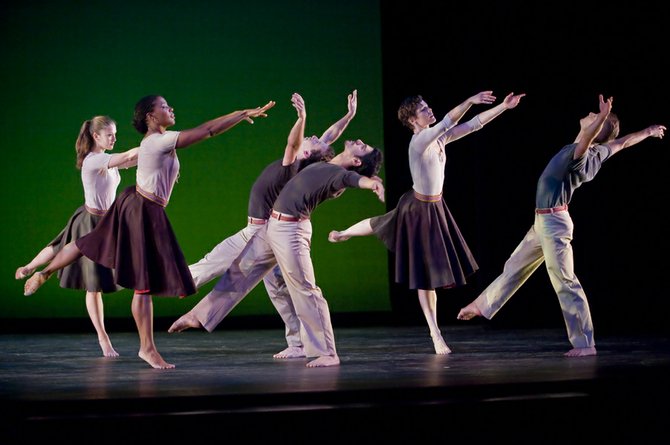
(100,178)
(429,250)
(135,236)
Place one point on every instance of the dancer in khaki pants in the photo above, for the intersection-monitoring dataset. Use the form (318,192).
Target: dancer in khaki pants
(548,240)
(289,235)
(285,240)
(217,304)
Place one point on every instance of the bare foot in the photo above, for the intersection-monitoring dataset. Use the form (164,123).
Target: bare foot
(323,361)
(184,322)
(22,272)
(107,348)
(469,312)
(440,345)
(581,352)
(335,237)
(155,360)
(34,283)
(291,352)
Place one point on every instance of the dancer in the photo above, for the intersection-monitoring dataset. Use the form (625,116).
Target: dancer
(289,234)
(429,250)
(100,178)
(548,240)
(135,236)
(286,241)
(217,304)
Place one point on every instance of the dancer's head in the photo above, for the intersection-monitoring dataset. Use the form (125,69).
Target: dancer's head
(98,133)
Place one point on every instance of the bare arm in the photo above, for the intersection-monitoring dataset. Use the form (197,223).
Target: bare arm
(124,160)
(220,125)
(297,133)
(656,131)
(372,184)
(587,136)
(335,131)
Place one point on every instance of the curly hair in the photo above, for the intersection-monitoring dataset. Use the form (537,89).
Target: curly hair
(371,163)
(408,109)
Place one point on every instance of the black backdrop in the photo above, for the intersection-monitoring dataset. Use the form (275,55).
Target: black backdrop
(562,55)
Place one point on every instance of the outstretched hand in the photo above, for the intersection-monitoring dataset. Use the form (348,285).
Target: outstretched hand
(512,100)
(378,188)
(299,104)
(605,105)
(353,102)
(258,112)
(656,131)
(485,97)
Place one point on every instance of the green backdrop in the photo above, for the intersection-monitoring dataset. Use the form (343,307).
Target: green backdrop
(64,62)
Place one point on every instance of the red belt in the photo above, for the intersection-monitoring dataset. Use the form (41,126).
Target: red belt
(427,198)
(251,220)
(552,210)
(284,217)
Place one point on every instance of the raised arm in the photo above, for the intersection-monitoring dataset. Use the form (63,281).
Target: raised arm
(427,136)
(374,184)
(485,97)
(124,160)
(483,118)
(588,134)
(297,133)
(656,131)
(335,131)
(510,101)
(220,125)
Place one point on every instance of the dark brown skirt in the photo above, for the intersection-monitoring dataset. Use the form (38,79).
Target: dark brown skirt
(430,251)
(83,274)
(135,238)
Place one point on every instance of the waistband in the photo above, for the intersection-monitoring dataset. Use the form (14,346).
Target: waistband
(427,198)
(258,221)
(562,208)
(284,217)
(93,211)
(151,197)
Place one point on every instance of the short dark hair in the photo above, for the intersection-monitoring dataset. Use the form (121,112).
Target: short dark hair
(371,163)
(317,157)
(408,109)
(142,107)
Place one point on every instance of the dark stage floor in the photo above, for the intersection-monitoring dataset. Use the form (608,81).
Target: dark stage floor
(390,388)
